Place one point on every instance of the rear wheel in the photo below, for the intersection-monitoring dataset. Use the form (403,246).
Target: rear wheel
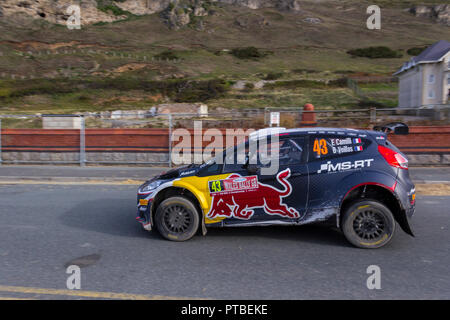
(177,219)
(368,224)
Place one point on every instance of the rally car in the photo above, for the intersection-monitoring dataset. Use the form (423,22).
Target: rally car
(354,179)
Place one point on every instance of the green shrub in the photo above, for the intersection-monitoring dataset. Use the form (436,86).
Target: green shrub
(292,84)
(166,55)
(197,91)
(415,51)
(170,7)
(248,53)
(115,10)
(366,103)
(177,90)
(304,71)
(343,72)
(375,52)
(5,92)
(249,86)
(273,76)
(100,23)
(25,88)
(341,83)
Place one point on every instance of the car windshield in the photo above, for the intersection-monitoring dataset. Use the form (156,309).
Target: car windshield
(228,155)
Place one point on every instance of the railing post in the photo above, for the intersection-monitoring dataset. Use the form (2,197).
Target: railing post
(373,115)
(82,142)
(170,140)
(265,116)
(1,142)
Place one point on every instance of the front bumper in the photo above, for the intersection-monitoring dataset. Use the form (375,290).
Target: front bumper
(144,216)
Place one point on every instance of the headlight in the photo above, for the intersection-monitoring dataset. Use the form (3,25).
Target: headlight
(151,186)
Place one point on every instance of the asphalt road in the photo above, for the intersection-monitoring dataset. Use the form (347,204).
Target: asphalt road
(45,228)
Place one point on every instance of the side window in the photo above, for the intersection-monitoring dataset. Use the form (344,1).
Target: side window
(291,151)
(329,146)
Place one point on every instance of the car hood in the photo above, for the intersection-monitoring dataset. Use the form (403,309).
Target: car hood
(172,174)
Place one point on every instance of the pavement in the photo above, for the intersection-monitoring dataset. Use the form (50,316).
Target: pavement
(46,228)
(10,173)
(48,225)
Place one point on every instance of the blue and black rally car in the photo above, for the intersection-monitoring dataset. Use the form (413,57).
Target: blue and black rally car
(355,179)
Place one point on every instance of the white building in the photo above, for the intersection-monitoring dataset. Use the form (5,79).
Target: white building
(425,79)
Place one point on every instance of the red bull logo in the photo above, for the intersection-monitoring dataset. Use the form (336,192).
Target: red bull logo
(239,196)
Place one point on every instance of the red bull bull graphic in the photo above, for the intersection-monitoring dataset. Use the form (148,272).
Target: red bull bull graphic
(238,197)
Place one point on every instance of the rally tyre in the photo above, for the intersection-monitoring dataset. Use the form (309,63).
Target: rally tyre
(177,219)
(368,224)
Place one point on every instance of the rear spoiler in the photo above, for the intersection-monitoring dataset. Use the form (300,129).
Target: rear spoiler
(395,127)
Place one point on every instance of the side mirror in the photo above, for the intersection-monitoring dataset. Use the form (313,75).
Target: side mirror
(252,169)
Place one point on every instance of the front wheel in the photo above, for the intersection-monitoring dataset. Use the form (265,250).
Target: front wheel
(368,224)
(177,219)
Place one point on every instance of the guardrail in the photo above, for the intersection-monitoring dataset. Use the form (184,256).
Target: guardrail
(85,145)
(149,141)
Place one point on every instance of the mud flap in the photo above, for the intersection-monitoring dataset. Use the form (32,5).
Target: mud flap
(402,220)
(203,227)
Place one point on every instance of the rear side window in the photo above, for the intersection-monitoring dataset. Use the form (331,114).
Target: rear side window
(332,146)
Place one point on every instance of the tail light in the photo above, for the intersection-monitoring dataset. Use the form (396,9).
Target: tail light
(394,159)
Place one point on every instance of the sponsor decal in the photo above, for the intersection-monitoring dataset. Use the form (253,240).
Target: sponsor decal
(232,185)
(185,173)
(344,166)
(245,194)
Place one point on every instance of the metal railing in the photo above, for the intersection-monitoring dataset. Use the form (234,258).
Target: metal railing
(249,118)
(82,158)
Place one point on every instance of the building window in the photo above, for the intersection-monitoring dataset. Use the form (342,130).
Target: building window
(431,78)
(448,64)
(431,94)
(448,79)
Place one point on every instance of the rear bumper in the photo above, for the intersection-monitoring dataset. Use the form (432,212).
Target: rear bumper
(406,194)
(410,212)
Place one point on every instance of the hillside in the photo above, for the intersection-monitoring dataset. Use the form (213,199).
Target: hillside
(295,39)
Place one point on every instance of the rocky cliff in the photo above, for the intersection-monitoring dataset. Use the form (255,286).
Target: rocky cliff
(439,13)
(176,12)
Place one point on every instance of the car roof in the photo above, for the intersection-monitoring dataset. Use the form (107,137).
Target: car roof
(311,130)
(319,130)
